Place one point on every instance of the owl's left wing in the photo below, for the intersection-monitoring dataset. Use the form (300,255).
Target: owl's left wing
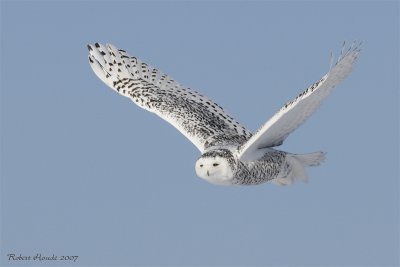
(295,112)
(197,117)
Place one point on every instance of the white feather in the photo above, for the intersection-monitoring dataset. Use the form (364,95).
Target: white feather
(197,117)
(295,112)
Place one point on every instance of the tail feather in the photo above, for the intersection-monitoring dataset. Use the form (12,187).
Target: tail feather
(311,159)
(295,170)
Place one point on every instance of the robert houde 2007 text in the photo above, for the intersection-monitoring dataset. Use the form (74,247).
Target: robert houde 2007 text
(40,257)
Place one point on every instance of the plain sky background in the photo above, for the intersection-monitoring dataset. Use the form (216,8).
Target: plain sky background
(86,172)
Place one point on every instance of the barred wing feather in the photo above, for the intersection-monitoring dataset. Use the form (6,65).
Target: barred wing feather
(197,117)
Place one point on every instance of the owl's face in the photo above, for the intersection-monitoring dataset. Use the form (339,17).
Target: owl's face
(215,169)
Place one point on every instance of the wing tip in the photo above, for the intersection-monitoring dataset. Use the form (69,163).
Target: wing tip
(352,52)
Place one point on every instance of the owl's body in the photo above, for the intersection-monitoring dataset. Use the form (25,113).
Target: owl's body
(222,166)
(231,155)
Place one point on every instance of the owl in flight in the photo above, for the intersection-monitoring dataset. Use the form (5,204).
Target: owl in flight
(231,154)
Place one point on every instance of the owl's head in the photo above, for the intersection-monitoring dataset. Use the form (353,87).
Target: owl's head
(216,167)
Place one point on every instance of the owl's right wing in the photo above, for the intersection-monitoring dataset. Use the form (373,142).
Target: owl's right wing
(197,117)
(295,112)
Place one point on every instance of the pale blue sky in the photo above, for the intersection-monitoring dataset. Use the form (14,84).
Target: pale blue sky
(86,172)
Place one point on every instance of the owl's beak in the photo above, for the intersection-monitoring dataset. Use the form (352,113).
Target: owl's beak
(208,174)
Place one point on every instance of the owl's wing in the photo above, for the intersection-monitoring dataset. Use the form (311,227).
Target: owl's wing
(198,118)
(295,112)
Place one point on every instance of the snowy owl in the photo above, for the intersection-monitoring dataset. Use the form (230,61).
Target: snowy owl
(231,154)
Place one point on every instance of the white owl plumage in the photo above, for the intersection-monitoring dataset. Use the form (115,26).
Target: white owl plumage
(231,155)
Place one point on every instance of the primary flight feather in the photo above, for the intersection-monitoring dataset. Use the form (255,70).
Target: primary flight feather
(231,155)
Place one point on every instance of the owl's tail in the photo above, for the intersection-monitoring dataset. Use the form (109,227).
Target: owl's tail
(295,167)
(311,159)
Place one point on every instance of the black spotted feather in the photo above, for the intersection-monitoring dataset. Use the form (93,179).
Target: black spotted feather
(201,120)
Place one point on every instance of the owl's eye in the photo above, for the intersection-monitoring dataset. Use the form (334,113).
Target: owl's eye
(201,165)
(215,164)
